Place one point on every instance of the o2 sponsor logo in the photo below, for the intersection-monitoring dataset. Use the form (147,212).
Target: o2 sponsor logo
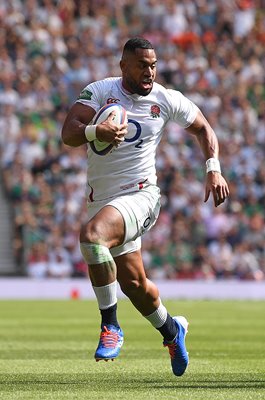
(136,130)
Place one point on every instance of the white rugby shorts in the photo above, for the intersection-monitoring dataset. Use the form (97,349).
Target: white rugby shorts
(139,210)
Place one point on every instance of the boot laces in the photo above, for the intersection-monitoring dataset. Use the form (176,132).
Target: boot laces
(171,349)
(109,338)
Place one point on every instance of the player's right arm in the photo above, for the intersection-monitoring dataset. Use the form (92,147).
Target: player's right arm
(79,117)
(76,121)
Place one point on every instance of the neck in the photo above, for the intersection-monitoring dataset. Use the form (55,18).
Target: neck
(125,87)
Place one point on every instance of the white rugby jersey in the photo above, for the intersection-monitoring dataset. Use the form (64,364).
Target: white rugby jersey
(131,166)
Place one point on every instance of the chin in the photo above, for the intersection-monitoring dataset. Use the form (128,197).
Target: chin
(144,92)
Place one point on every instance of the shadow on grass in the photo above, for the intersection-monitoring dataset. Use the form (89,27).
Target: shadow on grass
(100,382)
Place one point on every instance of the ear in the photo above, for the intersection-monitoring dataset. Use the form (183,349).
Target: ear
(122,64)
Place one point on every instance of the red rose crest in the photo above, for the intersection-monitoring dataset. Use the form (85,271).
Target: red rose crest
(155,111)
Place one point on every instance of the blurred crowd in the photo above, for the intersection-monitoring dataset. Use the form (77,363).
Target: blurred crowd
(212,51)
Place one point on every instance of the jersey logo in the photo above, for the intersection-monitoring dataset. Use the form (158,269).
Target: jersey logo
(85,95)
(155,111)
(112,100)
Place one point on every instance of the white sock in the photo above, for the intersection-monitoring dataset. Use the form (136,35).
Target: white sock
(106,295)
(158,317)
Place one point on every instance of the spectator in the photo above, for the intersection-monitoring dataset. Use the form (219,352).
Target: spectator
(59,265)
(37,261)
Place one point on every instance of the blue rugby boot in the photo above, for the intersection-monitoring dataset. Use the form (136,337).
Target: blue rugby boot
(177,349)
(110,342)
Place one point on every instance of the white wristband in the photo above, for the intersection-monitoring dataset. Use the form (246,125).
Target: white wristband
(212,164)
(90,132)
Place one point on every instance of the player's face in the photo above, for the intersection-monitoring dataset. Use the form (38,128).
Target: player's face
(139,71)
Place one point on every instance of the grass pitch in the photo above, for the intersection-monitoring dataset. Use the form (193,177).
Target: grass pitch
(47,348)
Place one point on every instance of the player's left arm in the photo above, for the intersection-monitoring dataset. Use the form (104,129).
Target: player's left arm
(215,182)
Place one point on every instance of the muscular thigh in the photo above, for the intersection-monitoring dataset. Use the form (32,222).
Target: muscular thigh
(121,222)
(140,211)
(105,227)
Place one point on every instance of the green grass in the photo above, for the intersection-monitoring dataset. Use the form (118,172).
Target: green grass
(47,348)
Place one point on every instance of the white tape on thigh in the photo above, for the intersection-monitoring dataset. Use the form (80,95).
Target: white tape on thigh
(95,253)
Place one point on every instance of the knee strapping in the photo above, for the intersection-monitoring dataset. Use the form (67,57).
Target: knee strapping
(95,253)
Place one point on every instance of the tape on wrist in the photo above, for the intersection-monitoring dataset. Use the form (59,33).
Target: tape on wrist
(212,164)
(90,132)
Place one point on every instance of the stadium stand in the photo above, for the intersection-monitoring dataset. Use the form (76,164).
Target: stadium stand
(213,51)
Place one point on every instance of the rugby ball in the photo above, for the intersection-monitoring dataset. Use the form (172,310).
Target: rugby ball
(103,148)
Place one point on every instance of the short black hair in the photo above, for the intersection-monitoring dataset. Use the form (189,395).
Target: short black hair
(137,43)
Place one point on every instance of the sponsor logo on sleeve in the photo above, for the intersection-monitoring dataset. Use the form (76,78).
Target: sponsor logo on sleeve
(85,95)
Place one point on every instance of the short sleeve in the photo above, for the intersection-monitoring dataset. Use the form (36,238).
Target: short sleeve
(91,96)
(184,111)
